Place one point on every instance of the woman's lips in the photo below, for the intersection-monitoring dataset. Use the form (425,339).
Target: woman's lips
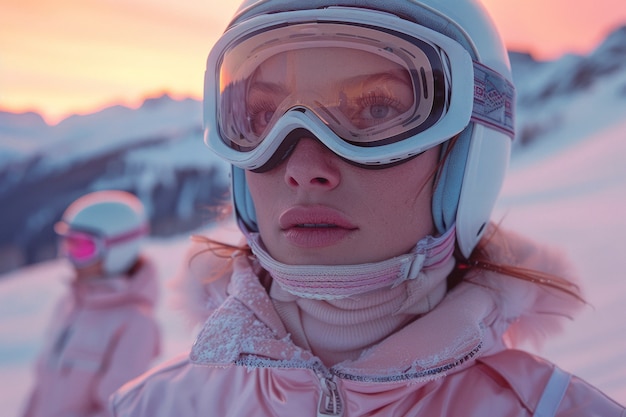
(314,226)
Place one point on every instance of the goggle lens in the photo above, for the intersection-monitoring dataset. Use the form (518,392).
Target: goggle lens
(80,246)
(84,247)
(370,87)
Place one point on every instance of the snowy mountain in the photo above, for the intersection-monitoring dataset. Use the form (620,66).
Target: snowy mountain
(563,97)
(156,150)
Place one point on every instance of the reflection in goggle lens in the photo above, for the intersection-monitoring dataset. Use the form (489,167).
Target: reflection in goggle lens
(371,88)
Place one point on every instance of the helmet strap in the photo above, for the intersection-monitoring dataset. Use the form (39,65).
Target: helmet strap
(334,282)
(450,180)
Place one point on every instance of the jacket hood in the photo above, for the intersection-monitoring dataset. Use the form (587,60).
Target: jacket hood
(530,311)
(141,288)
(199,286)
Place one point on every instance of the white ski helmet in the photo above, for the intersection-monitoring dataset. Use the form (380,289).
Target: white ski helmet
(478,97)
(115,221)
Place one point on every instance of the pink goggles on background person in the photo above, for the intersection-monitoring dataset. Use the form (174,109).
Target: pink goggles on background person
(84,247)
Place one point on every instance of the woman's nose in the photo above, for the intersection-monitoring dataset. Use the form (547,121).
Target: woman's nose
(312,165)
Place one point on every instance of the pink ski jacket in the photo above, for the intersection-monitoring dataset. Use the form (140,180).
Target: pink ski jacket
(103,334)
(454,361)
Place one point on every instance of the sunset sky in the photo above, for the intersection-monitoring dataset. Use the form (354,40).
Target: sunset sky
(76,56)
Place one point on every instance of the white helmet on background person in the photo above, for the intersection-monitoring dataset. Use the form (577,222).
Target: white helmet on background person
(479,113)
(107,226)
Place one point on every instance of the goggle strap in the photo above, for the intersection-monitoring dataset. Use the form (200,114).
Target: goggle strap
(143,229)
(494,100)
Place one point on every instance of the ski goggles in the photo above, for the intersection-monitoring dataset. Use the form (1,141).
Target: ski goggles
(373,88)
(84,247)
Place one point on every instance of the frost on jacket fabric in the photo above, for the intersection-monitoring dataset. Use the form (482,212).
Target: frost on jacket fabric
(103,333)
(457,360)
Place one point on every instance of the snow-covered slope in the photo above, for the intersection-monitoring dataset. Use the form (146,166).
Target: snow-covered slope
(575,200)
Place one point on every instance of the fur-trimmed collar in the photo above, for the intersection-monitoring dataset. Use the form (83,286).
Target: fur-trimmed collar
(482,315)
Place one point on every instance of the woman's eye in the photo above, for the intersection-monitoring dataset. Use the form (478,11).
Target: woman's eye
(374,109)
(379,111)
(260,115)
(375,99)
(261,101)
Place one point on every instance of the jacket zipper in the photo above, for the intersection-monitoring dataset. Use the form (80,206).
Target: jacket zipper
(330,403)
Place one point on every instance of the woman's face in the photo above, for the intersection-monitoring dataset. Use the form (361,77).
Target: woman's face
(315,208)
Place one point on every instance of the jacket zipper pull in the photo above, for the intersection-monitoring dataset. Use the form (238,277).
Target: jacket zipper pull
(330,399)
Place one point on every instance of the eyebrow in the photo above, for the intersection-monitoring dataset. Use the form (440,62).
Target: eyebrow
(267,87)
(393,75)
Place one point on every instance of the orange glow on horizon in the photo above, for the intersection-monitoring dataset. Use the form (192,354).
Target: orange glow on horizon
(77,56)
(550,29)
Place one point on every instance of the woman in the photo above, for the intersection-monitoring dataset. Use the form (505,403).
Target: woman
(103,332)
(368,141)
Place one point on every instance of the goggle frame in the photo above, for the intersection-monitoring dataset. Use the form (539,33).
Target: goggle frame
(472,91)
